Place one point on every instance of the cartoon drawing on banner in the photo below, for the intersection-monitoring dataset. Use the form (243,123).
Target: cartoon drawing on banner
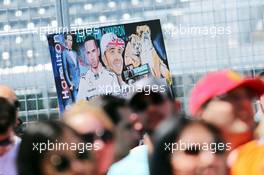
(90,62)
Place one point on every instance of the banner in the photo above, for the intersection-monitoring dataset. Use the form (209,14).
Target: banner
(106,60)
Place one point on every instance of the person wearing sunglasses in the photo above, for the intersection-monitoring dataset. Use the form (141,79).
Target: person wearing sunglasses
(95,127)
(151,103)
(8,141)
(53,160)
(188,147)
(119,112)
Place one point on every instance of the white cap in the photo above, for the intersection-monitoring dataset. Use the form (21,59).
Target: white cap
(110,39)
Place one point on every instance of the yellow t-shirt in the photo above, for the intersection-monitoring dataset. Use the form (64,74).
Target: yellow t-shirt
(249,160)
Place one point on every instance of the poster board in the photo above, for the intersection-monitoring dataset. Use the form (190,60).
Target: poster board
(106,60)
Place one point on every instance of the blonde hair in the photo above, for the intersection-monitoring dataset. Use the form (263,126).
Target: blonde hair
(82,107)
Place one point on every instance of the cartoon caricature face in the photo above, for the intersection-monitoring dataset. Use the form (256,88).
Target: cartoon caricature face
(136,44)
(92,53)
(144,32)
(114,59)
(69,41)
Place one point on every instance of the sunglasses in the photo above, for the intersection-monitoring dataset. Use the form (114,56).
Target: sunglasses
(194,151)
(6,142)
(105,136)
(62,163)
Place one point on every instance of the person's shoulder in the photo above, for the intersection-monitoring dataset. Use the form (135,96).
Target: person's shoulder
(66,53)
(13,151)
(87,75)
(120,167)
(139,149)
(17,140)
(108,72)
(135,163)
(83,77)
(74,51)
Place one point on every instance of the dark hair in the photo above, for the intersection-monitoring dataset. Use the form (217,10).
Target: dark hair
(7,115)
(66,34)
(90,37)
(19,127)
(169,132)
(29,160)
(111,105)
(141,100)
(74,45)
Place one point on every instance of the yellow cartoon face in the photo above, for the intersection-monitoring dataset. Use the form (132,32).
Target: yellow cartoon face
(144,32)
(136,46)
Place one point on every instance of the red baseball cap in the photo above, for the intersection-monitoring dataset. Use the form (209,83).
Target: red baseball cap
(218,83)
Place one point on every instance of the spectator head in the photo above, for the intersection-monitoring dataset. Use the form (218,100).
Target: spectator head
(151,102)
(112,106)
(187,147)
(41,152)
(121,115)
(224,99)
(9,94)
(7,124)
(95,127)
(7,116)
(85,117)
